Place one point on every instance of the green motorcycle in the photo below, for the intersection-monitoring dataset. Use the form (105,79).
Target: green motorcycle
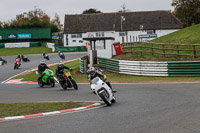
(47,79)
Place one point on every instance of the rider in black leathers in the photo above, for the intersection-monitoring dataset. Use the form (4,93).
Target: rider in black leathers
(60,70)
(42,67)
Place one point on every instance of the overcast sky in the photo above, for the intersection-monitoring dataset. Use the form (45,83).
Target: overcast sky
(10,8)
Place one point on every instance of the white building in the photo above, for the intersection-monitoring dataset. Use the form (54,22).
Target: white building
(124,27)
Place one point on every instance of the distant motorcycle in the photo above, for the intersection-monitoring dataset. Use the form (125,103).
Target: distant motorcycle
(61,55)
(3,60)
(17,64)
(46,56)
(67,81)
(100,88)
(25,58)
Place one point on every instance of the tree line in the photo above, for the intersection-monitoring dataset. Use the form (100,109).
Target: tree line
(187,11)
(36,18)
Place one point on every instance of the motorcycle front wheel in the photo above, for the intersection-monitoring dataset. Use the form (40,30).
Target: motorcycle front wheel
(74,85)
(63,85)
(105,97)
(40,83)
(52,82)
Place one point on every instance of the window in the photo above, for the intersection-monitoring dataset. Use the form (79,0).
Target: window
(151,31)
(73,35)
(99,34)
(78,35)
(122,33)
(73,40)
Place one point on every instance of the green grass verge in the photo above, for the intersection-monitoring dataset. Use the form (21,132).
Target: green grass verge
(20,109)
(24,51)
(112,77)
(189,35)
(75,65)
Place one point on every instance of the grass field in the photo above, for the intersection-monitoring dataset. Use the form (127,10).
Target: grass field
(23,51)
(190,35)
(20,109)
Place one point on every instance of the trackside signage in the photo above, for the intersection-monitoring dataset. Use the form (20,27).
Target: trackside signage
(24,36)
(12,36)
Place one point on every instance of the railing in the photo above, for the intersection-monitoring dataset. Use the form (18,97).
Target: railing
(166,50)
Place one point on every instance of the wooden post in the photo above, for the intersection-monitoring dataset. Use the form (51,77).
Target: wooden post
(194,51)
(130,38)
(133,39)
(163,46)
(152,50)
(177,47)
(140,49)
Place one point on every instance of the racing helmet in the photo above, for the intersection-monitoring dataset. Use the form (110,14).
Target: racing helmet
(92,71)
(42,63)
(61,64)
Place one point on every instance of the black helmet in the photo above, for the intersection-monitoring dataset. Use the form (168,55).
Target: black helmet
(18,56)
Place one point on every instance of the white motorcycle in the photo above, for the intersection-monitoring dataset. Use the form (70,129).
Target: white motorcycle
(103,91)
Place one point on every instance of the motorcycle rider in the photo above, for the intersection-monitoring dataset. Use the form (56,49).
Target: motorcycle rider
(60,54)
(18,58)
(42,67)
(60,70)
(92,73)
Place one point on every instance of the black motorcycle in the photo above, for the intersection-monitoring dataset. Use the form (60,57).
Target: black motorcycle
(46,56)
(3,60)
(25,58)
(67,81)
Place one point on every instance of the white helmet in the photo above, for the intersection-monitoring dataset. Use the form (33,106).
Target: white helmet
(42,62)
(61,64)
(92,71)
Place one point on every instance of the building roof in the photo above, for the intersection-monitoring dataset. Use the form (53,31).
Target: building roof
(112,21)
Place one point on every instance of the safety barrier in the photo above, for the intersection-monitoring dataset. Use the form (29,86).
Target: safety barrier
(22,44)
(143,68)
(151,68)
(71,49)
(111,65)
(83,64)
(184,68)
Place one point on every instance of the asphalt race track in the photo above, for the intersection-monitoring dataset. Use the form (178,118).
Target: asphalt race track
(140,108)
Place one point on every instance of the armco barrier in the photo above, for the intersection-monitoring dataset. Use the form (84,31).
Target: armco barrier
(111,65)
(71,49)
(2,45)
(22,44)
(184,68)
(151,68)
(143,68)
